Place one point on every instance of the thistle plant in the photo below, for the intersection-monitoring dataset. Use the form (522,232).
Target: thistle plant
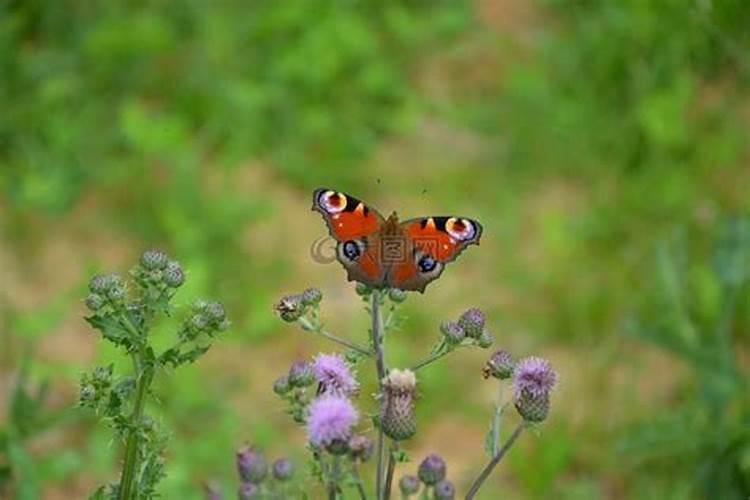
(323,395)
(124,312)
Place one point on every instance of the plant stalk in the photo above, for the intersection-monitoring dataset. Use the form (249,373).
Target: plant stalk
(377,344)
(391,469)
(495,460)
(131,447)
(309,326)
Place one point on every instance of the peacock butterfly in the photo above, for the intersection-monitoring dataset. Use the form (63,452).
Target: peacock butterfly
(383,253)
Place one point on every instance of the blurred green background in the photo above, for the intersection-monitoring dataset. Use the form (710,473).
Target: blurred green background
(603,145)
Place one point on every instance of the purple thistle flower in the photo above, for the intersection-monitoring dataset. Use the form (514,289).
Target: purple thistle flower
(330,419)
(534,376)
(335,375)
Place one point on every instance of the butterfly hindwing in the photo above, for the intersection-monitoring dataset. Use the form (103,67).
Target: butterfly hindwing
(355,227)
(431,242)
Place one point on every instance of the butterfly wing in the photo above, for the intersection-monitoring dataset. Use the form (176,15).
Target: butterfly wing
(355,228)
(431,243)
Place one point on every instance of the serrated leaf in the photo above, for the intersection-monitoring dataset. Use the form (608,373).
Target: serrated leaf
(110,328)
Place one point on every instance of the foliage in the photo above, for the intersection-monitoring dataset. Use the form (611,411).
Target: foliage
(120,399)
(698,311)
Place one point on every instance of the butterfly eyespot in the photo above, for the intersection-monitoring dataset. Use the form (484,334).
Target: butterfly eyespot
(426,264)
(351,250)
(332,202)
(460,229)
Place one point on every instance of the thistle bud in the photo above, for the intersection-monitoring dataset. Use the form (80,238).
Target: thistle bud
(215,311)
(173,275)
(445,490)
(362,289)
(432,470)
(500,365)
(94,302)
(154,259)
(396,295)
(281,385)
(251,465)
(248,491)
(533,408)
(88,394)
(290,308)
(311,296)
(198,322)
(397,411)
(452,332)
(100,283)
(486,339)
(301,374)
(409,485)
(116,292)
(360,448)
(283,469)
(472,322)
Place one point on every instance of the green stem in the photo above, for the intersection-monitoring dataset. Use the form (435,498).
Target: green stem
(391,469)
(317,329)
(439,353)
(360,484)
(496,420)
(495,460)
(333,484)
(131,448)
(377,345)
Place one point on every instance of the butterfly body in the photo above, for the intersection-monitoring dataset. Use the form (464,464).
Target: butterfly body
(385,253)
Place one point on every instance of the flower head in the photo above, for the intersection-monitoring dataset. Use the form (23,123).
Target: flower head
(290,308)
(409,485)
(335,375)
(432,470)
(248,491)
(330,419)
(453,333)
(472,321)
(397,411)
(445,490)
(500,365)
(251,464)
(311,296)
(534,376)
(283,469)
(301,374)
(361,448)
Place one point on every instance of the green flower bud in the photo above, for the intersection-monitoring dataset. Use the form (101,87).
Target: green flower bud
(409,485)
(533,408)
(154,259)
(397,295)
(397,416)
(281,385)
(486,340)
(94,301)
(362,289)
(311,296)
(173,274)
(453,333)
(216,312)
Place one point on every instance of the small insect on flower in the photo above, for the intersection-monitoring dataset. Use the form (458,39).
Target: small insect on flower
(335,375)
(330,420)
(290,308)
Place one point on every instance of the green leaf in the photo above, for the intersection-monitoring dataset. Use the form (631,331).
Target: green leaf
(111,329)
